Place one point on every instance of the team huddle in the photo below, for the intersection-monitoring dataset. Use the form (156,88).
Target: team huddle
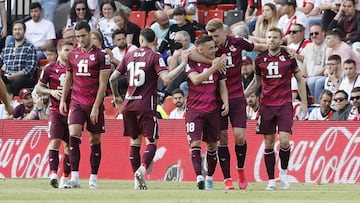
(77,83)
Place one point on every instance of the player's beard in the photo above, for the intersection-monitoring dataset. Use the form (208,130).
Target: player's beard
(178,104)
(123,46)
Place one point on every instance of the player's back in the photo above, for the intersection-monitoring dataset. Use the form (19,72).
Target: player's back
(142,68)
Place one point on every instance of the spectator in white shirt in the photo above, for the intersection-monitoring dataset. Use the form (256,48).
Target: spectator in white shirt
(179,101)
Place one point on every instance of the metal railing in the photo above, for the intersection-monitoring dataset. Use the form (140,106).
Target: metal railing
(17,9)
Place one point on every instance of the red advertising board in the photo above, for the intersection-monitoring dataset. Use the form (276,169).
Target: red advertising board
(322,152)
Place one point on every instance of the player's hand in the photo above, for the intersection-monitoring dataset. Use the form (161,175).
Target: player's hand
(63,108)
(303,110)
(185,56)
(224,110)
(292,53)
(220,64)
(56,94)
(118,103)
(94,115)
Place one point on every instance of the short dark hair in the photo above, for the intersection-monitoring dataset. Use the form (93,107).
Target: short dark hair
(117,32)
(111,2)
(334,57)
(178,91)
(355,89)
(19,22)
(350,61)
(276,29)
(34,5)
(336,32)
(179,11)
(82,25)
(344,92)
(318,24)
(148,34)
(326,92)
(51,49)
(203,39)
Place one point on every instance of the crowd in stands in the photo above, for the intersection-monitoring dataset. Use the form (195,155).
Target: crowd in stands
(323,36)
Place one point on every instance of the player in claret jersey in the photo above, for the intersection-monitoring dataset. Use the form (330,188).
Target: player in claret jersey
(87,75)
(231,48)
(51,82)
(274,69)
(142,68)
(202,114)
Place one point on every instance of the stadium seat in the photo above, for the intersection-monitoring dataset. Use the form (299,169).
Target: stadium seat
(168,104)
(226,7)
(201,16)
(150,18)
(214,14)
(205,7)
(110,111)
(138,17)
(233,17)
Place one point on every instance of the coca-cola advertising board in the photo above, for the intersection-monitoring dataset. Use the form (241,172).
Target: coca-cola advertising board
(321,152)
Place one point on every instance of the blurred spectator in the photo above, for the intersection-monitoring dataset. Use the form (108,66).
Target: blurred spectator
(3,111)
(106,24)
(80,11)
(97,39)
(18,60)
(297,42)
(181,24)
(305,6)
(49,8)
(323,12)
(290,15)
(93,7)
(68,34)
(182,44)
(253,12)
(179,101)
(51,54)
(355,99)
(314,60)
(268,18)
(342,106)
(348,21)
(26,105)
(132,30)
(241,30)
(120,47)
(247,71)
(335,46)
(252,105)
(351,79)
(143,5)
(39,31)
(161,25)
(3,23)
(189,5)
(323,111)
(41,108)
(333,74)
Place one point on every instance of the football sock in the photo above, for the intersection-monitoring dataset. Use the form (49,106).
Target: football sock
(211,158)
(270,162)
(196,159)
(240,151)
(135,157)
(75,152)
(95,158)
(224,159)
(284,155)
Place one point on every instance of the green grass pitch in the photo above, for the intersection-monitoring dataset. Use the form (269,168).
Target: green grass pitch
(39,190)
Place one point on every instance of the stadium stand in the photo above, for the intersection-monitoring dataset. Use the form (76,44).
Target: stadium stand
(211,14)
(110,111)
(168,104)
(138,17)
(150,19)
(233,16)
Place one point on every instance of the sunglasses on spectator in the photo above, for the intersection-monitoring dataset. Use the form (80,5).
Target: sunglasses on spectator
(81,9)
(294,31)
(314,33)
(340,99)
(355,98)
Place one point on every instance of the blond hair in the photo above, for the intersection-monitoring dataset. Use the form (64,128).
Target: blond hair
(214,24)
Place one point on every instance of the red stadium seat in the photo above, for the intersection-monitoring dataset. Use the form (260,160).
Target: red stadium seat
(201,16)
(168,104)
(150,18)
(205,7)
(138,17)
(110,111)
(214,14)
(226,7)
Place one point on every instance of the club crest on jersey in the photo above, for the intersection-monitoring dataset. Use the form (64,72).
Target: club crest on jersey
(282,58)
(92,57)
(76,56)
(57,70)
(107,60)
(232,48)
(199,64)
(265,59)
